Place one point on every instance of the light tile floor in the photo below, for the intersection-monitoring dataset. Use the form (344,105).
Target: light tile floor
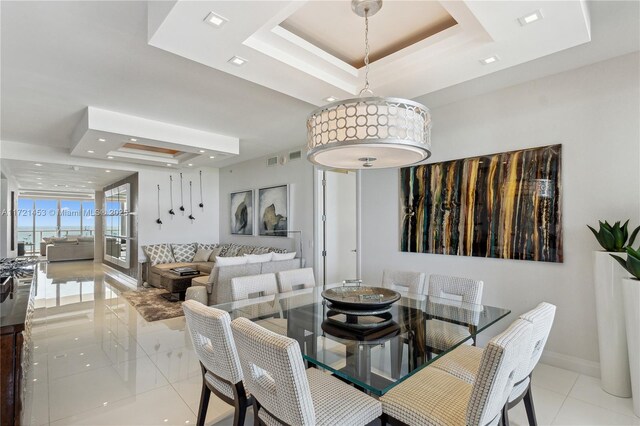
(97,362)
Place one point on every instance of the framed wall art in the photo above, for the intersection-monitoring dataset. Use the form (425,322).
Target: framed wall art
(506,205)
(242,215)
(273,211)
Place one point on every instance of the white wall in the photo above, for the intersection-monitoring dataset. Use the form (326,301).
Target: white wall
(177,229)
(594,112)
(255,174)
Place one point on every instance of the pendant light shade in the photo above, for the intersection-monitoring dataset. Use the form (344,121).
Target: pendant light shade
(369,132)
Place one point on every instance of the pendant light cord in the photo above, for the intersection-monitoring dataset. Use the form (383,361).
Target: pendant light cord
(366,88)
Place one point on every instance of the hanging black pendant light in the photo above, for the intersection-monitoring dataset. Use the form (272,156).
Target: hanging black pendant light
(201,201)
(181,208)
(158,221)
(171,212)
(191,202)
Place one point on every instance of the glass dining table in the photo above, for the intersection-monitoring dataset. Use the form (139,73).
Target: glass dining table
(373,352)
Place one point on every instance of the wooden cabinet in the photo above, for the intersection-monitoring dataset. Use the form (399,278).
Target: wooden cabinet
(16,312)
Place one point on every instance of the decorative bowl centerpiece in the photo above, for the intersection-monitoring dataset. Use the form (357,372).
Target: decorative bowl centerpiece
(360,298)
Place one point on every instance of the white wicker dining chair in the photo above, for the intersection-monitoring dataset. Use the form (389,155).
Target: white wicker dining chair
(464,361)
(295,279)
(442,335)
(261,285)
(268,314)
(433,397)
(210,331)
(413,282)
(285,393)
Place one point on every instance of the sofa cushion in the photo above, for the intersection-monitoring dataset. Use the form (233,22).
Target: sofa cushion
(184,252)
(66,241)
(159,253)
(229,250)
(263,250)
(214,253)
(284,256)
(207,246)
(85,239)
(202,255)
(259,258)
(233,260)
(245,250)
(204,267)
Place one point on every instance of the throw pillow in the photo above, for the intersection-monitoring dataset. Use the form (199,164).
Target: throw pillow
(159,253)
(183,252)
(230,261)
(215,253)
(207,246)
(259,258)
(284,256)
(202,255)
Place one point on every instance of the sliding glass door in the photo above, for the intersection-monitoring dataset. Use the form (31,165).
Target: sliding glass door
(40,218)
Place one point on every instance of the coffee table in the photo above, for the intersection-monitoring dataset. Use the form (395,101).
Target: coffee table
(176,285)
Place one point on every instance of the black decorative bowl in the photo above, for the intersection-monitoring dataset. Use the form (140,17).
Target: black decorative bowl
(361,297)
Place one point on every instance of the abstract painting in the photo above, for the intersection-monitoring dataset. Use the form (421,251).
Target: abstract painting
(505,205)
(273,211)
(242,213)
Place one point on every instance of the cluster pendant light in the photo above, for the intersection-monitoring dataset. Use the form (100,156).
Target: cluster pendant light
(369,131)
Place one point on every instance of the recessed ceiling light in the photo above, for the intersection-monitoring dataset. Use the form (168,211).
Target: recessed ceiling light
(202,151)
(489,60)
(530,18)
(330,99)
(133,139)
(237,61)
(39,183)
(38,165)
(89,181)
(168,165)
(190,165)
(109,157)
(39,178)
(102,140)
(212,156)
(91,151)
(108,171)
(215,20)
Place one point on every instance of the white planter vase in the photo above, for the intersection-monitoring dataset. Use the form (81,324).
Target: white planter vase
(631,293)
(612,336)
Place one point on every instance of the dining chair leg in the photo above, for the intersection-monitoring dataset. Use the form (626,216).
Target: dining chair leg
(239,415)
(204,403)
(528,405)
(256,408)
(504,416)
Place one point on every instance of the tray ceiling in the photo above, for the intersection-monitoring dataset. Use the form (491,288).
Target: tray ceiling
(308,49)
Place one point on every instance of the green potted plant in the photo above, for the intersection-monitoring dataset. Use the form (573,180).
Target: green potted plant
(631,295)
(612,337)
(614,238)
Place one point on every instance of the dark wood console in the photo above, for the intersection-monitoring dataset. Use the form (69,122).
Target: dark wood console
(16,313)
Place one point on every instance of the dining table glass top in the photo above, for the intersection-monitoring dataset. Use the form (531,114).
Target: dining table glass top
(374,351)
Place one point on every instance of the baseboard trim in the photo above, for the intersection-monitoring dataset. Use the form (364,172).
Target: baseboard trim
(578,365)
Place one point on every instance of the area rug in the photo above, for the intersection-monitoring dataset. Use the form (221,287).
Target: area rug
(151,305)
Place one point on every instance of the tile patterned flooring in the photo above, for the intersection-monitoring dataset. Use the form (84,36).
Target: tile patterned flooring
(97,362)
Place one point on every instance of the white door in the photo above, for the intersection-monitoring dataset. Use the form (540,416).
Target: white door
(337,230)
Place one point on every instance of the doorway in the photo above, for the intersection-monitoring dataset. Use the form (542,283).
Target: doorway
(337,227)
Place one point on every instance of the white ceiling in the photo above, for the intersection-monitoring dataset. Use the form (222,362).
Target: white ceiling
(60,178)
(58,58)
(282,61)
